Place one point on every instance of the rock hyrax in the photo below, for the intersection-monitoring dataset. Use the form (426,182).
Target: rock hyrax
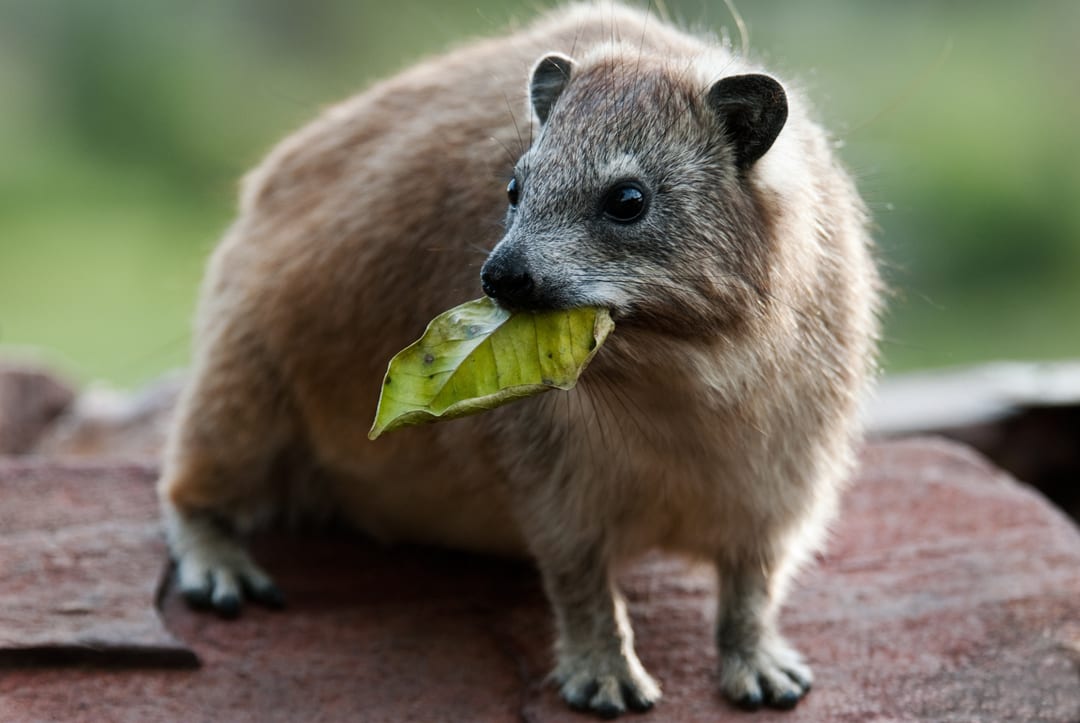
(596,157)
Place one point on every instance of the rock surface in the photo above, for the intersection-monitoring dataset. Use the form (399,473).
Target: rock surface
(80,562)
(949,593)
(30,399)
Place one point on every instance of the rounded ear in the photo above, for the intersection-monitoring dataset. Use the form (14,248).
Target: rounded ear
(754,109)
(549,77)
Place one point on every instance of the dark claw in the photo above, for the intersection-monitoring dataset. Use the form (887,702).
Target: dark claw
(750,701)
(606,710)
(268,595)
(804,684)
(197,597)
(785,701)
(227,606)
(634,700)
(577,704)
(581,702)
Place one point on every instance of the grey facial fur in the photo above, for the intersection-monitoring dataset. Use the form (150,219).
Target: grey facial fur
(697,253)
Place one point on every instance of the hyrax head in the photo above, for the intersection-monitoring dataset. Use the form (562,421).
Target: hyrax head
(635,194)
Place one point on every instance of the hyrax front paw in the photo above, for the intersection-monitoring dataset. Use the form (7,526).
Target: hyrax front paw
(771,674)
(214,571)
(222,578)
(606,684)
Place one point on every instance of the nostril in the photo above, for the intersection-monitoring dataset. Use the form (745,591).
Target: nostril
(506,286)
(520,283)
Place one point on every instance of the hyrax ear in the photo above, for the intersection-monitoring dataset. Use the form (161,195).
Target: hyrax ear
(549,77)
(753,109)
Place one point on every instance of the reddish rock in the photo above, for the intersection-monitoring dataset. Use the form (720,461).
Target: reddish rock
(1023,416)
(949,593)
(30,399)
(80,560)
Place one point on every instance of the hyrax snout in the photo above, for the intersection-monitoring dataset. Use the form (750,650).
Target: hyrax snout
(635,168)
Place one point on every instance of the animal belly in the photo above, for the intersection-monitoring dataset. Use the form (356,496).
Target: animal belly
(413,490)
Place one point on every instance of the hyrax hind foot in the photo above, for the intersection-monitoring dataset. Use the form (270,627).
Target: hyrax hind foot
(606,684)
(770,673)
(214,571)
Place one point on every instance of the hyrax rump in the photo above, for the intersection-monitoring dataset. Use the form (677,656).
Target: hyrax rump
(648,171)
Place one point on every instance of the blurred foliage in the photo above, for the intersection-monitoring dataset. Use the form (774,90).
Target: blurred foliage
(124,126)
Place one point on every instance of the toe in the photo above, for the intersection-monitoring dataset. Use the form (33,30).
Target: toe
(801,676)
(197,597)
(750,700)
(226,595)
(786,700)
(578,692)
(608,702)
(268,595)
(195,584)
(606,710)
(636,700)
(258,587)
(777,689)
(741,683)
(602,695)
(227,606)
(784,697)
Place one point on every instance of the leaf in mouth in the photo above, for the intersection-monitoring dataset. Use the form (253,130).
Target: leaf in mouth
(479,356)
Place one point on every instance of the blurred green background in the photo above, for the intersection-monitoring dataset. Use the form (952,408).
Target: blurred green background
(125,124)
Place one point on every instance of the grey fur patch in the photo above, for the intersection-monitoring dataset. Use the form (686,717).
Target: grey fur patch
(696,262)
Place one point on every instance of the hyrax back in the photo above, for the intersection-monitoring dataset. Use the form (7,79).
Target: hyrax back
(647,171)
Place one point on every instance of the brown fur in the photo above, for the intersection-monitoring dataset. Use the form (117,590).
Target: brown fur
(716,422)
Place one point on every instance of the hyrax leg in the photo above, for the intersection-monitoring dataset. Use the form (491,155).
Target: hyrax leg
(597,668)
(215,480)
(757,666)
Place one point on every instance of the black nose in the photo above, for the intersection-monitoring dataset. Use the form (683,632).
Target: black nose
(507,285)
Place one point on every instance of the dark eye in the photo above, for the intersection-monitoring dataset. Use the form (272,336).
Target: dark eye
(625,203)
(512,192)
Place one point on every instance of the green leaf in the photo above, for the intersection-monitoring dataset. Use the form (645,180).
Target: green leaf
(479,356)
